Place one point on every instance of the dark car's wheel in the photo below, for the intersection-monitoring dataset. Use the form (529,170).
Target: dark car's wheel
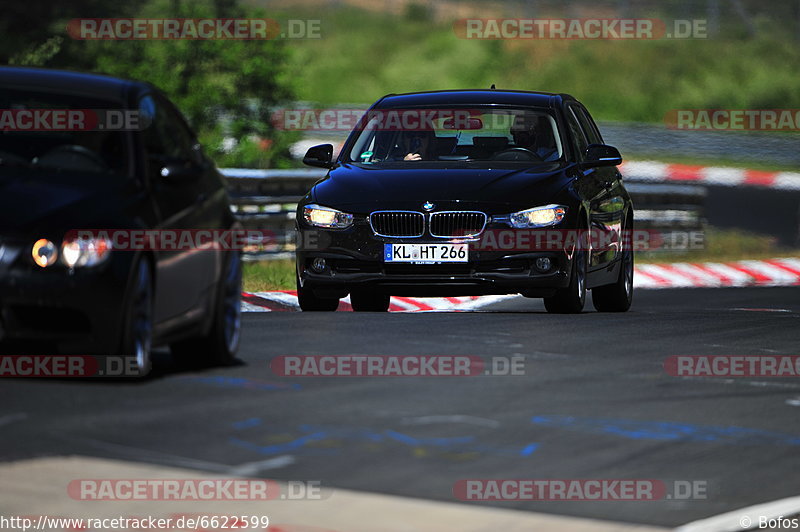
(219,346)
(571,299)
(311,303)
(137,335)
(616,297)
(364,301)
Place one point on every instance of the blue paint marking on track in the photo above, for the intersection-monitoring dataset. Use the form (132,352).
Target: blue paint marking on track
(668,431)
(241,382)
(303,438)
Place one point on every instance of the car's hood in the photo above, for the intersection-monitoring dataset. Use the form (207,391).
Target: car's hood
(359,187)
(47,202)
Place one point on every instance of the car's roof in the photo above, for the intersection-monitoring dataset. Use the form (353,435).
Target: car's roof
(67,82)
(472,97)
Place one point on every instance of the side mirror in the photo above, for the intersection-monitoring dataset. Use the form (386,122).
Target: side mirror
(601,155)
(320,156)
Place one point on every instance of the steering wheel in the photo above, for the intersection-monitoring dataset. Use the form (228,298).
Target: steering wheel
(71,155)
(516,154)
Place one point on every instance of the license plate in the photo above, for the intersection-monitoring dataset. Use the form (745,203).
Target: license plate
(426,253)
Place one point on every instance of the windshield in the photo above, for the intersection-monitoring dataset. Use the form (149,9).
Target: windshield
(456,134)
(46,130)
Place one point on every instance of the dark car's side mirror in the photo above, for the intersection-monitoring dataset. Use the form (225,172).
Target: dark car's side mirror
(320,156)
(601,155)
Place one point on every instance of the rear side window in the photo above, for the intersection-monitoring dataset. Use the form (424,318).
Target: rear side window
(579,141)
(589,127)
(167,136)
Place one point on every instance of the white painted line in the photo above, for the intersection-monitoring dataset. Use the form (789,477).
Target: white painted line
(251,469)
(723,176)
(745,518)
(249,307)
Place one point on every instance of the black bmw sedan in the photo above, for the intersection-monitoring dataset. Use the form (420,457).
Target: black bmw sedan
(103,191)
(454,193)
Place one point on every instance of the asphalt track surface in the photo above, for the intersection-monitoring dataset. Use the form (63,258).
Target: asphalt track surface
(595,403)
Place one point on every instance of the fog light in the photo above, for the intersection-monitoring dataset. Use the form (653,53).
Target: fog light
(543,264)
(319,265)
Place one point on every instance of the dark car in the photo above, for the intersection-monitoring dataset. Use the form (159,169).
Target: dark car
(84,208)
(466,193)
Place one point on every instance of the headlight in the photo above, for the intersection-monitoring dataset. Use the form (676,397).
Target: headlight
(44,252)
(538,217)
(85,251)
(326,217)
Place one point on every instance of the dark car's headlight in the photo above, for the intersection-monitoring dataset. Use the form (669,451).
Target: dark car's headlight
(326,217)
(537,217)
(81,252)
(44,253)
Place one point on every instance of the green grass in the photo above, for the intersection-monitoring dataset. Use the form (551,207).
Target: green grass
(269,275)
(722,245)
(364,55)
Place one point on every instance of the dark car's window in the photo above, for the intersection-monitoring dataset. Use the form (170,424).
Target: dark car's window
(455,134)
(168,137)
(579,142)
(589,127)
(35,134)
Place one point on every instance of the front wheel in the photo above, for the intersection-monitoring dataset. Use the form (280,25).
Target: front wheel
(220,345)
(616,297)
(570,300)
(137,335)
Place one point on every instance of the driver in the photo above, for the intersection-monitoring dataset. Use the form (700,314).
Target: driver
(528,133)
(417,145)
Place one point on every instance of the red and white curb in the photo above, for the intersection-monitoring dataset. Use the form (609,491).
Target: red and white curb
(773,272)
(655,172)
(287,301)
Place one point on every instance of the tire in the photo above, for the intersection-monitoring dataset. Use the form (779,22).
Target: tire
(219,346)
(571,299)
(311,303)
(363,301)
(137,334)
(616,297)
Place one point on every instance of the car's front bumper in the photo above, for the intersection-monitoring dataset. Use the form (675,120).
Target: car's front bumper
(354,260)
(54,311)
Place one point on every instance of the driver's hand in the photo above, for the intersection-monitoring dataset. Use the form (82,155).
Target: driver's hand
(412,157)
